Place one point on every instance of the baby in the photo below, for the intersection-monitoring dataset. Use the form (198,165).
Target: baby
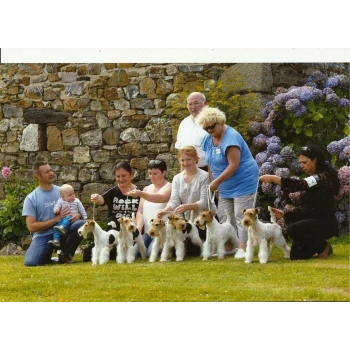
(67,199)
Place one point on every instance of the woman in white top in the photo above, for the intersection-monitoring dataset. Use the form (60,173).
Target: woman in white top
(153,198)
(189,188)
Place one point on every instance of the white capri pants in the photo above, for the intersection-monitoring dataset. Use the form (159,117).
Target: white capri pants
(235,206)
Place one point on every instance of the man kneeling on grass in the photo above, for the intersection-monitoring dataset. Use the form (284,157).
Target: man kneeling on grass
(40,219)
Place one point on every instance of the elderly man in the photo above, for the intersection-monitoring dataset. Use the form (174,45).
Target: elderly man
(189,133)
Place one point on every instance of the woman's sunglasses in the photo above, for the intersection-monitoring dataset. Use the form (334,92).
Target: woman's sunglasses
(209,127)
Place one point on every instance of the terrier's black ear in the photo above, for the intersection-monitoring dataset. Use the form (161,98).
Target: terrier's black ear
(188,228)
(111,239)
(243,211)
(257,211)
(151,220)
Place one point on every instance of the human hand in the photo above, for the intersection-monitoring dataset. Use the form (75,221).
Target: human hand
(133,193)
(65,211)
(278,213)
(180,209)
(75,217)
(214,185)
(94,197)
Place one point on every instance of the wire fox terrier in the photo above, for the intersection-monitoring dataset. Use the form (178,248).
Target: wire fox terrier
(216,234)
(129,241)
(104,241)
(262,234)
(157,232)
(177,230)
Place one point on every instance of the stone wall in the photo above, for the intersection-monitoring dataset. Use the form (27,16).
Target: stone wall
(84,118)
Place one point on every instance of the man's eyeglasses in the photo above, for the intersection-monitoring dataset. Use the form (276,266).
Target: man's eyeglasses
(209,127)
(196,103)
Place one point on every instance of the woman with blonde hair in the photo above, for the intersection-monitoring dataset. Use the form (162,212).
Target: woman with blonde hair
(232,169)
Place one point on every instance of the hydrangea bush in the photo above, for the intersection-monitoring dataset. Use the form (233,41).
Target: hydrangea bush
(16,188)
(317,112)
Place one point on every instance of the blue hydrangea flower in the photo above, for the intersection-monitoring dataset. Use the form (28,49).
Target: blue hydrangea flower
(334,147)
(273,148)
(300,111)
(267,109)
(278,190)
(332,98)
(346,141)
(332,82)
(287,153)
(344,102)
(306,95)
(282,172)
(273,139)
(260,158)
(277,160)
(318,94)
(271,132)
(340,217)
(266,168)
(318,77)
(295,165)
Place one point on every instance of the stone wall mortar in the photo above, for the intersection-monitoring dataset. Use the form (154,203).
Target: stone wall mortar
(84,118)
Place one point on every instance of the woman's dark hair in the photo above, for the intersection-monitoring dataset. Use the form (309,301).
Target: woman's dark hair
(322,164)
(123,165)
(157,164)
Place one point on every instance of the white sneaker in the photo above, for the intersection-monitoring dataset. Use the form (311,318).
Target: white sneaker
(240,254)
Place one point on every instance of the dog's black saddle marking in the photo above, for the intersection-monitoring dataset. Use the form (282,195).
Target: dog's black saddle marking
(135,234)
(188,228)
(111,239)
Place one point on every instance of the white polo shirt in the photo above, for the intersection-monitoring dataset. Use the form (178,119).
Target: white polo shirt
(191,134)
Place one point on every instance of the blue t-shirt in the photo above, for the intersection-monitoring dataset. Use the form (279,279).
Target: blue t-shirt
(244,180)
(40,203)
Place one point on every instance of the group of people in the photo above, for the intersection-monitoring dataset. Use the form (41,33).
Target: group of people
(216,162)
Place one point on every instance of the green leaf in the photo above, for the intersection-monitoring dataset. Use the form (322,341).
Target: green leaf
(317,116)
(298,130)
(308,132)
(311,106)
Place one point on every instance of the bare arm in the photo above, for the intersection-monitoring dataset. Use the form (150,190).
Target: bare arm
(270,178)
(97,198)
(233,155)
(162,196)
(37,226)
(139,216)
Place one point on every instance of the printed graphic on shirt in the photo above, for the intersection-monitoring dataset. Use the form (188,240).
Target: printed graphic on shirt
(125,207)
(49,204)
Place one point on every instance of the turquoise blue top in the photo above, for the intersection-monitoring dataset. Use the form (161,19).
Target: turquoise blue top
(245,179)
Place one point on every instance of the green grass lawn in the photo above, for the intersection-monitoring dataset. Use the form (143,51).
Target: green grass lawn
(190,280)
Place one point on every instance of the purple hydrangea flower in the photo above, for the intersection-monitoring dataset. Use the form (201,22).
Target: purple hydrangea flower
(261,158)
(344,102)
(346,152)
(266,125)
(293,105)
(328,91)
(267,188)
(278,190)
(254,127)
(346,141)
(295,197)
(271,132)
(287,153)
(344,204)
(334,147)
(318,94)
(273,148)
(282,172)
(266,168)
(332,82)
(272,115)
(344,82)
(259,140)
(333,99)
(280,99)
(344,175)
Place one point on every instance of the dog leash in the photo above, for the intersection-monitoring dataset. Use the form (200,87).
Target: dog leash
(211,197)
(256,194)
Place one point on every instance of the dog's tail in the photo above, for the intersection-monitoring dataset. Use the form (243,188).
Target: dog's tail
(272,215)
